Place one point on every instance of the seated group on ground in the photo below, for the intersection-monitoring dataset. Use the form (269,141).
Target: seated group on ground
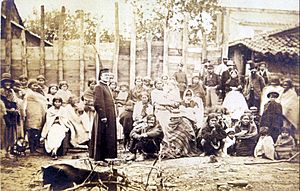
(219,114)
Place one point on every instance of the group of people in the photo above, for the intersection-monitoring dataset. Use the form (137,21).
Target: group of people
(218,113)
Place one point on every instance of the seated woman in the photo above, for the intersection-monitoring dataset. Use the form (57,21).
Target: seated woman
(190,109)
(142,108)
(55,128)
(79,127)
(284,145)
(265,145)
(246,136)
(212,135)
(179,137)
(145,139)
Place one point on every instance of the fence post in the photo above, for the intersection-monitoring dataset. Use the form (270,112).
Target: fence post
(61,44)
(117,41)
(24,53)
(149,53)
(81,54)
(8,37)
(42,42)
(132,52)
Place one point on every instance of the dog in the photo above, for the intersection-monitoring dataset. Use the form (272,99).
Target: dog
(20,147)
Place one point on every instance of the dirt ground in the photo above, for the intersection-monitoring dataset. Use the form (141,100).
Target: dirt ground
(194,173)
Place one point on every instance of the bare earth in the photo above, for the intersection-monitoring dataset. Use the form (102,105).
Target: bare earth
(195,173)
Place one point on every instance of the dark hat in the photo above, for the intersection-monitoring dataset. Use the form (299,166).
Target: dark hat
(210,66)
(253,66)
(103,70)
(276,94)
(41,77)
(6,77)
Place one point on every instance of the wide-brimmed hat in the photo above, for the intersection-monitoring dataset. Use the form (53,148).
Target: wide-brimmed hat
(276,94)
(6,77)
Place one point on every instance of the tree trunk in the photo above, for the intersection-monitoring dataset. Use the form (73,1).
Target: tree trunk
(117,41)
(42,42)
(8,38)
(166,49)
(204,45)
(61,44)
(132,53)
(81,54)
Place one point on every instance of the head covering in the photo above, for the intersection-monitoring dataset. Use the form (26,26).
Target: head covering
(6,77)
(230,63)
(228,130)
(210,66)
(175,113)
(61,83)
(31,82)
(41,77)
(253,66)
(276,94)
(23,77)
(103,70)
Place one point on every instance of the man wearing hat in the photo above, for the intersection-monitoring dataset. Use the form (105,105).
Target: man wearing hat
(253,87)
(272,116)
(211,81)
(224,77)
(11,116)
(222,66)
(43,89)
(104,133)
(181,78)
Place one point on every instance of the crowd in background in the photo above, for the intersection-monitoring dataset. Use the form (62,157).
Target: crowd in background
(214,112)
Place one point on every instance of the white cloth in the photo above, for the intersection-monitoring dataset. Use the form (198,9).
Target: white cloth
(236,104)
(265,145)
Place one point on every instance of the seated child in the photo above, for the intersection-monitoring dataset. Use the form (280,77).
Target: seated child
(265,145)
(284,144)
(229,142)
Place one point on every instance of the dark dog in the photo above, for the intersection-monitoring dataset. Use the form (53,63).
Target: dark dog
(20,147)
(63,176)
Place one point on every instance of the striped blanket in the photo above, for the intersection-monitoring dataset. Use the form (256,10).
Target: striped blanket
(179,140)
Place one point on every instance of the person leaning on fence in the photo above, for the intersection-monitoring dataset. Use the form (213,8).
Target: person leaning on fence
(145,139)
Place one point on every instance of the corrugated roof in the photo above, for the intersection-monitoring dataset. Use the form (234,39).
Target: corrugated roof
(273,42)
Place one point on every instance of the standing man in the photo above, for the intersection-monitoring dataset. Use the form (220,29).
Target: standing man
(222,66)
(181,78)
(104,133)
(253,88)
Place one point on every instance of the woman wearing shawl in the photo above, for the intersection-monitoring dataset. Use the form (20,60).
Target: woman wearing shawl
(55,128)
(246,136)
(179,137)
(234,100)
(265,145)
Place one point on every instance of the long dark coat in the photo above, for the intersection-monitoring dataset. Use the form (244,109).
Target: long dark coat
(103,142)
(272,117)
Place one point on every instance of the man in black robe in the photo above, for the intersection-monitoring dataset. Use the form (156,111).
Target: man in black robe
(104,133)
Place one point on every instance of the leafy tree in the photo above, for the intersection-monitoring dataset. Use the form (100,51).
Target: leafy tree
(71,26)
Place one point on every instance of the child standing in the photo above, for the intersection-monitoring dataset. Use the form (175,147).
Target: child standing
(229,142)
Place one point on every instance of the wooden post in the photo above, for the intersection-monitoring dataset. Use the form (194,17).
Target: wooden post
(149,54)
(117,41)
(132,52)
(61,44)
(97,52)
(81,54)
(185,40)
(24,53)
(204,45)
(8,37)
(42,42)
(166,44)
